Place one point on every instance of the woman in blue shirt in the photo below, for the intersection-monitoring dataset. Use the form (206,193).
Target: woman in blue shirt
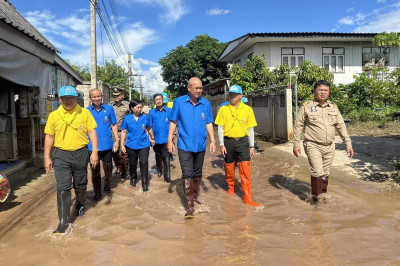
(135,133)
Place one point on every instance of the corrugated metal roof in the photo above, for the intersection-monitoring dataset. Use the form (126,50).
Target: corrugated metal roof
(312,34)
(13,18)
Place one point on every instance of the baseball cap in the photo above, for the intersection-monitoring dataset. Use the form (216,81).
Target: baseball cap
(235,89)
(165,97)
(245,100)
(67,91)
(117,91)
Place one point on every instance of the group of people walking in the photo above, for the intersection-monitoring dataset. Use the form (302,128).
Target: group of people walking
(120,131)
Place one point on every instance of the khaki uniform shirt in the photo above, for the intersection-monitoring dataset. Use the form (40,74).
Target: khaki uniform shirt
(120,111)
(319,123)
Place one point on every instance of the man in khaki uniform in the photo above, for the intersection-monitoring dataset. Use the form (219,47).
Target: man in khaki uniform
(121,109)
(319,120)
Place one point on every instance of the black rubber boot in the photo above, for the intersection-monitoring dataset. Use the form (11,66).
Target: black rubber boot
(63,206)
(167,169)
(133,175)
(159,161)
(80,201)
(144,172)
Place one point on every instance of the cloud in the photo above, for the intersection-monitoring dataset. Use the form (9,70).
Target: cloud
(349,9)
(385,22)
(381,1)
(71,35)
(151,79)
(173,10)
(217,11)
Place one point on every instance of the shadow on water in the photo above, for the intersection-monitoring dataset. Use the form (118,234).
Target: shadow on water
(296,187)
(378,156)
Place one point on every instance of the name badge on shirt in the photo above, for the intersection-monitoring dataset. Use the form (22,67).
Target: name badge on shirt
(203,117)
(313,109)
(166,120)
(105,119)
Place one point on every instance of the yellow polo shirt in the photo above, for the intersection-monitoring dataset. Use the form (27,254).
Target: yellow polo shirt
(70,128)
(236,121)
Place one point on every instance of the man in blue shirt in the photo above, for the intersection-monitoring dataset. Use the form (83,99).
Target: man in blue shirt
(104,116)
(193,115)
(159,121)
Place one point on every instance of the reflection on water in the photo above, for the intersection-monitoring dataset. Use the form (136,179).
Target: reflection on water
(354,224)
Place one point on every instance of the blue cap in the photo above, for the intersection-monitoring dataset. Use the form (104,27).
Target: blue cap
(67,91)
(245,100)
(235,89)
(165,97)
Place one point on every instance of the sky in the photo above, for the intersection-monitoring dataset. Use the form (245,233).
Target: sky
(152,28)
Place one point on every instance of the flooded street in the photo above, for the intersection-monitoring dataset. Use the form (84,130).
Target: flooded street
(358,223)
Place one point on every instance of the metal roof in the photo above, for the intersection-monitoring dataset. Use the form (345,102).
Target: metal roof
(13,18)
(244,42)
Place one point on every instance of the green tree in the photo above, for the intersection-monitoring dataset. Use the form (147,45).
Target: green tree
(82,69)
(198,58)
(385,39)
(254,74)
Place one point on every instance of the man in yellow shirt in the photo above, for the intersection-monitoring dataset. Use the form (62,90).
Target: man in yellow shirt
(68,128)
(236,124)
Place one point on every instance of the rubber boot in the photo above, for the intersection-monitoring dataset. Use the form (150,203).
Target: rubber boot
(124,164)
(187,184)
(196,187)
(117,162)
(144,172)
(96,181)
(244,170)
(107,176)
(324,181)
(159,164)
(133,175)
(80,199)
(64,207)
(167,168)
(230,177)
(316,187)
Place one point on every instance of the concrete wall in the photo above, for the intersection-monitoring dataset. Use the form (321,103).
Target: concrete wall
(103,87)
(273,112)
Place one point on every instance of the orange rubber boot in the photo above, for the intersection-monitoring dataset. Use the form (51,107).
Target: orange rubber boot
(230,177)
(244,170)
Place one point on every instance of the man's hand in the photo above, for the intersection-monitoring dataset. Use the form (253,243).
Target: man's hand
(296,152)
(213,148)
(171,146)
(152,142)
(252,152)
(350,152)
(223,150)
(94,159)
(48,164)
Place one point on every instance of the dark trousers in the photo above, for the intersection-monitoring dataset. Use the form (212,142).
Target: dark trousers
(237,149)
(191,163)
(134,155)
(161,150)
(104,156)
(70,165)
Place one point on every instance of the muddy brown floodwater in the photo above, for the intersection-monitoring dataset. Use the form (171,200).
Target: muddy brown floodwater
(358,223)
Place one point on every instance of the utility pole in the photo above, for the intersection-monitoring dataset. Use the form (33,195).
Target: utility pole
(140,84)
(93,52)
(130,76)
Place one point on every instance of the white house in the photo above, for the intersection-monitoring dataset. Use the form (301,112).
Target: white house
(344,54)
